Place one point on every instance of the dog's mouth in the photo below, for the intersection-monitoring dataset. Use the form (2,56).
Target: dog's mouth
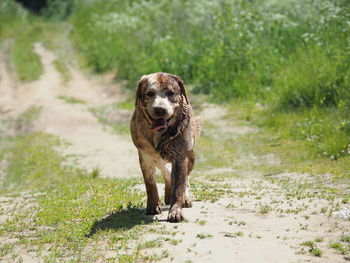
(160,125)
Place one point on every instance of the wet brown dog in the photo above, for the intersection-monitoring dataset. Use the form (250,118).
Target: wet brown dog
(164,129)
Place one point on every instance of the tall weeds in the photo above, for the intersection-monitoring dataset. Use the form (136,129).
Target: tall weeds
(288,55)
(229,48)
(17,31)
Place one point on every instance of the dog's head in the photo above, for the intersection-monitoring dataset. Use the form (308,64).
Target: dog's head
(161,95)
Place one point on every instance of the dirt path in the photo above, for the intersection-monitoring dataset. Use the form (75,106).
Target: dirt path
(237,229)
(94,147)
(257,218)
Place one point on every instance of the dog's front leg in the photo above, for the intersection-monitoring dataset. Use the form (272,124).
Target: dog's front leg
(148,172)
(179,175)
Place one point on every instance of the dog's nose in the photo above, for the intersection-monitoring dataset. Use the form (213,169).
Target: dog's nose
(159,111)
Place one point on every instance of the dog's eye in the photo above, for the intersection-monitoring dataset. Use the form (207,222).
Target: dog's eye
(170,93)
(150,94)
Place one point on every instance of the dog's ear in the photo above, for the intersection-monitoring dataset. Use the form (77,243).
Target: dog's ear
(140,85)
(182,86)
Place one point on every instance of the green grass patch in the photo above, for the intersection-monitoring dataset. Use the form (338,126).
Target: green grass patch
(126,105)
(324,132)
(215,148)
(345,239)
(309,141)
(319,239)
(265,209)
(202,222)
(19,29)
(233,235)
(204,236)
(316,252)
(114,116)
(62,68)
(71,100)
(308,244)
(32,163)
(27,63)
(313,249)
(21,124)
(340,248)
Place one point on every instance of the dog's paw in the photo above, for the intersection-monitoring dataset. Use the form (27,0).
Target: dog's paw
(187,203)
(175,214)
(153,210)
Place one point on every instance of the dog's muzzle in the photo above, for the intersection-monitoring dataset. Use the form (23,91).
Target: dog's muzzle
(159,125)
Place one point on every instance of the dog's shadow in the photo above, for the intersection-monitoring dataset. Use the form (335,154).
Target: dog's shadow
(121,220)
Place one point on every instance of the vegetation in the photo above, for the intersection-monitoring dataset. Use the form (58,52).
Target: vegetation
(20,30)
(293,62)
(313,249)
(226,48)
(15,29)
(291,57)
(71,100)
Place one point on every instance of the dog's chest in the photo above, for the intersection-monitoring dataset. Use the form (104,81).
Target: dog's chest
(174,147)
(156,139)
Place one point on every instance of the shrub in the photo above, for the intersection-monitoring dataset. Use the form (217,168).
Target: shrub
(228,48)
(58,9)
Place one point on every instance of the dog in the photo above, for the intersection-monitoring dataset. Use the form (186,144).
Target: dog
(164,129)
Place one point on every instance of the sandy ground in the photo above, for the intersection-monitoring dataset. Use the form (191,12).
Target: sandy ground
(232,229)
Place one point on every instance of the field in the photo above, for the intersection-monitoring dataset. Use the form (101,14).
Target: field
(271,79)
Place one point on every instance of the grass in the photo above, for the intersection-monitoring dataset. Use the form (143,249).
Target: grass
(340,248)
(202,222)
(71,100)
(252,56)
(70,216)
(20,30)
(313,249)
(114,116)
(316,252)
(272,53)
(27,63)
(240,64)
(204,236)
(300,139)
(265,209)
(62,68)
(31,161)
(233,235)
(345,239)
(324,132)
(21,124)
(319,239)
(215,152)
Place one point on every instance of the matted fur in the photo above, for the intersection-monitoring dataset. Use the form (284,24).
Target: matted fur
(170,150)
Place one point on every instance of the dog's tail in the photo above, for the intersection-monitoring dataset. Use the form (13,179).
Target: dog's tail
(198,122)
